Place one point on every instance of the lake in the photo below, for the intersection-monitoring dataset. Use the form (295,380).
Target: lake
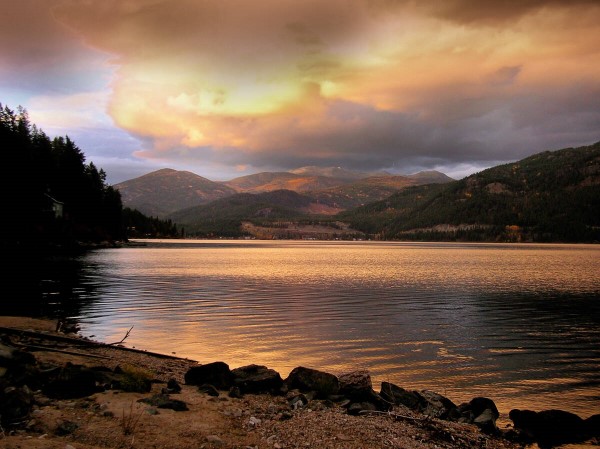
(517,323)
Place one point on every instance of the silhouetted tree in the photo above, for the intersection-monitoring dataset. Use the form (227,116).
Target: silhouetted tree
(40,178)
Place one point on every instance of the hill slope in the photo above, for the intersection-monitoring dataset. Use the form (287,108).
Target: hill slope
(550,196)
(270,181)
(164,191)
(375,188)
(224,217)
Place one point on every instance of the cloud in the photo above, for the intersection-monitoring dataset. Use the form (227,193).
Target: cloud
(496,12)
(356,83)
(38,55)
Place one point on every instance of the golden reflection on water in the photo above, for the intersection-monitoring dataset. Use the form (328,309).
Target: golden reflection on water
(518,323)
(297,263)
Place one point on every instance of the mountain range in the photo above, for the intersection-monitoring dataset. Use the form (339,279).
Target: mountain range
(550,196)
(166,191)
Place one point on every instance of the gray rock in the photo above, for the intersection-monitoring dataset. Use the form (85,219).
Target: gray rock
(355,382)
(486,421)
(235,392)
(209,390)
(257,379)
(15,404)
(72,381)
(479,404)
(216,373)
(296,400)
(592,425)
(358,388)
(173,386)
(356,407)
(254,422)
(435,405)
(480,411)
(399,396)
(549,428)
(307,379)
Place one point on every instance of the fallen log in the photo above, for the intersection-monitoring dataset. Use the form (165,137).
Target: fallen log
(82,342)
(63,351)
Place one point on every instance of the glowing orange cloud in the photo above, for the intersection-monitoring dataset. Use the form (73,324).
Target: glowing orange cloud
(274,75)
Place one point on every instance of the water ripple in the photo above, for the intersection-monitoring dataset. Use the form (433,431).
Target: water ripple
(514,322)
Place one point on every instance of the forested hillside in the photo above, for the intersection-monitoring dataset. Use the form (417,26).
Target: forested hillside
(223,217)
(550,196)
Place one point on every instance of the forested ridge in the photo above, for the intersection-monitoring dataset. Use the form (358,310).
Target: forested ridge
(552,196)
(52,197)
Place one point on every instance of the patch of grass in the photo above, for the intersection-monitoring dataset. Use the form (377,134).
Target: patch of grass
(135,380)
(129,421)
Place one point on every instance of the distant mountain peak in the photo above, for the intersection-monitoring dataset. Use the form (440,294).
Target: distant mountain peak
(166,190)
(430,177)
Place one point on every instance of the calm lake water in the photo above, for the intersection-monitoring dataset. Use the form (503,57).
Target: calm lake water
(517,323)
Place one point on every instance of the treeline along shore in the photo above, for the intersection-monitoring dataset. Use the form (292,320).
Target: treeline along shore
(61,390)
(53,200)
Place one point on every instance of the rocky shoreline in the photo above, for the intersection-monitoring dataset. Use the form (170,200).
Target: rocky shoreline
(44,376)
(354,392)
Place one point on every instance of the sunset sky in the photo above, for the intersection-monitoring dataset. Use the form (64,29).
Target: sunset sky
(224,88)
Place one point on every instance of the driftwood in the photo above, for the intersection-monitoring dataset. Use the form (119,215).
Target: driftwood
(122,340)
(77,341)
(63,351)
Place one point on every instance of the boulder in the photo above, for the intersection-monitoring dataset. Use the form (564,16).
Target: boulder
(70,382)
(549,428)
(209,390)
(235,392)
(480,411)
(18,367)
(257,379)
(15,404)
(173,386)
(399,396)
(435,405)
(592,426)
(356,407)
(355,384)
(307,379)
(358,388)
(486,421)
(479,404)
(296,399)
(216,373)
